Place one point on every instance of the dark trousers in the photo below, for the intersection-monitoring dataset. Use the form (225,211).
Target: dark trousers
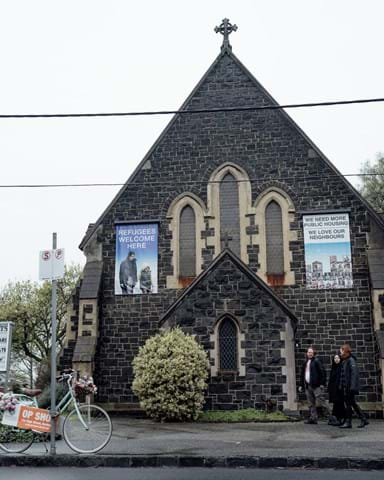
(350,404)
(338,410)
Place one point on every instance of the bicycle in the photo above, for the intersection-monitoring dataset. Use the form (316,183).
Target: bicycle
(87,428)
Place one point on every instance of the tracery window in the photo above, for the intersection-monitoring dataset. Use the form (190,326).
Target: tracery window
(228,345)
(186,222)
(187,245)
(274,242)
(230,213)
(229,205)
(275,213)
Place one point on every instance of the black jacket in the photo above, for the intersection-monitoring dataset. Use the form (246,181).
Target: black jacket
(335,393)
(349,378)
(128,269)
(318,376)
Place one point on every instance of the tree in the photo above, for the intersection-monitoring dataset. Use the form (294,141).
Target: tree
(28,305)
(372,187)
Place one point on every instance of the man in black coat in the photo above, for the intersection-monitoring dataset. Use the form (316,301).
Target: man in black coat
(313,380)
(128,274)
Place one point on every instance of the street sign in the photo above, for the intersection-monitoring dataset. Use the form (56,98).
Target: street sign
(51,264)
(5,345)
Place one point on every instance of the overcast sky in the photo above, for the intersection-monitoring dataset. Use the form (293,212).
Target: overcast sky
(121,55)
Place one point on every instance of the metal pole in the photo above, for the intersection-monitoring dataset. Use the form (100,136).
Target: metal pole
(53,358)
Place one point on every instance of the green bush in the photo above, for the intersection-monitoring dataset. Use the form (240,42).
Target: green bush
(171,370)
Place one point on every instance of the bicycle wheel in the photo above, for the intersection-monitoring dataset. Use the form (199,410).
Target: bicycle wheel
(94,435)
(15,440)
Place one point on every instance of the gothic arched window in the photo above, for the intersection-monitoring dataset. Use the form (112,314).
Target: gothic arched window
(228,345)
(274,240)
(230,213)
(187,243)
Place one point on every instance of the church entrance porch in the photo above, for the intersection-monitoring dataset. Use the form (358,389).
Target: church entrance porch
(247,331)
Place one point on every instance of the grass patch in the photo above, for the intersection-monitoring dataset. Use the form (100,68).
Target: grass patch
(244,415)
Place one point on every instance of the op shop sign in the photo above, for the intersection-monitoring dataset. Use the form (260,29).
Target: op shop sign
(28,418)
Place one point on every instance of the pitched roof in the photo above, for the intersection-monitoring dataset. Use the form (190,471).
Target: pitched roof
(91,280)
(228,52)
(224,255)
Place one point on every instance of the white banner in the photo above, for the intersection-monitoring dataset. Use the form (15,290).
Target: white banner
(327,251)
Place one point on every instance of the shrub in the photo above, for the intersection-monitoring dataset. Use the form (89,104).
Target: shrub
(171,370)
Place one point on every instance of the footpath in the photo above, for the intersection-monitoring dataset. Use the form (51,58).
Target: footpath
(144,443)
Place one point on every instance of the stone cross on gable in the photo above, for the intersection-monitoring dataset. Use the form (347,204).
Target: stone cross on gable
(226,28)
(226,238)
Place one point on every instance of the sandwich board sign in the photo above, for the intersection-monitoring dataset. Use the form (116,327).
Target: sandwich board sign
(51,264)
(5,345)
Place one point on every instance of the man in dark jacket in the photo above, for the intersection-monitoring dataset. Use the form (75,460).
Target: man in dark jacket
(128,273)
(350,385)
(313,379)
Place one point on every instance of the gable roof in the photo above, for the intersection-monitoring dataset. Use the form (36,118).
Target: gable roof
(228,52)
(224,255)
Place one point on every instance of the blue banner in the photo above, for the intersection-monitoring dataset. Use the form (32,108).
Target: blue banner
(136,259)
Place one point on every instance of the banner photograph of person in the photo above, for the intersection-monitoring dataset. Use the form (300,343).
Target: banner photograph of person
(136,259)
(328,261)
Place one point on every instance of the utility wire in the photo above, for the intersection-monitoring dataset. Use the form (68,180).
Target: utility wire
(190,112)
(182,182)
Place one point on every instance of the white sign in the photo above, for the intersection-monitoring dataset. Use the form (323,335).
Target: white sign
(51,264)
(331,228)
(5,345)
(327,243)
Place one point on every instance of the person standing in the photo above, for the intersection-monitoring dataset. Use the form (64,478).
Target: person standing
(313,379)
(350,384)
(146,279)
(335,393)
(128,274)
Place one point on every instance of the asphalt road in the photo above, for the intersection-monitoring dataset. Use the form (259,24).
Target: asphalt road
(24,473)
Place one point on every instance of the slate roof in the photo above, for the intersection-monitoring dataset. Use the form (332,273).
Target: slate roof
(91,280)
(227,253)
(185,106)
(376,267)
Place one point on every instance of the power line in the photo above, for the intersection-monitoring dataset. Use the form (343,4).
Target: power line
(182,182)
(190,112)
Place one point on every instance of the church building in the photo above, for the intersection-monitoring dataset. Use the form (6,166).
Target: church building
(238,229)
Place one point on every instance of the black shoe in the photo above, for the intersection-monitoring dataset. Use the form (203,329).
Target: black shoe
(364,423)
(346,424)
(310,421)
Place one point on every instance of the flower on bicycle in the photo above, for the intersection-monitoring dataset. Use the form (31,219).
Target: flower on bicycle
(85,386)
(8,402)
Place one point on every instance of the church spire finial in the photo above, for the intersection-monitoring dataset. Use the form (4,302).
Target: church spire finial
(226,28)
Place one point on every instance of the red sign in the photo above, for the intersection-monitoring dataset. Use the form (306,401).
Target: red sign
(32,418)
